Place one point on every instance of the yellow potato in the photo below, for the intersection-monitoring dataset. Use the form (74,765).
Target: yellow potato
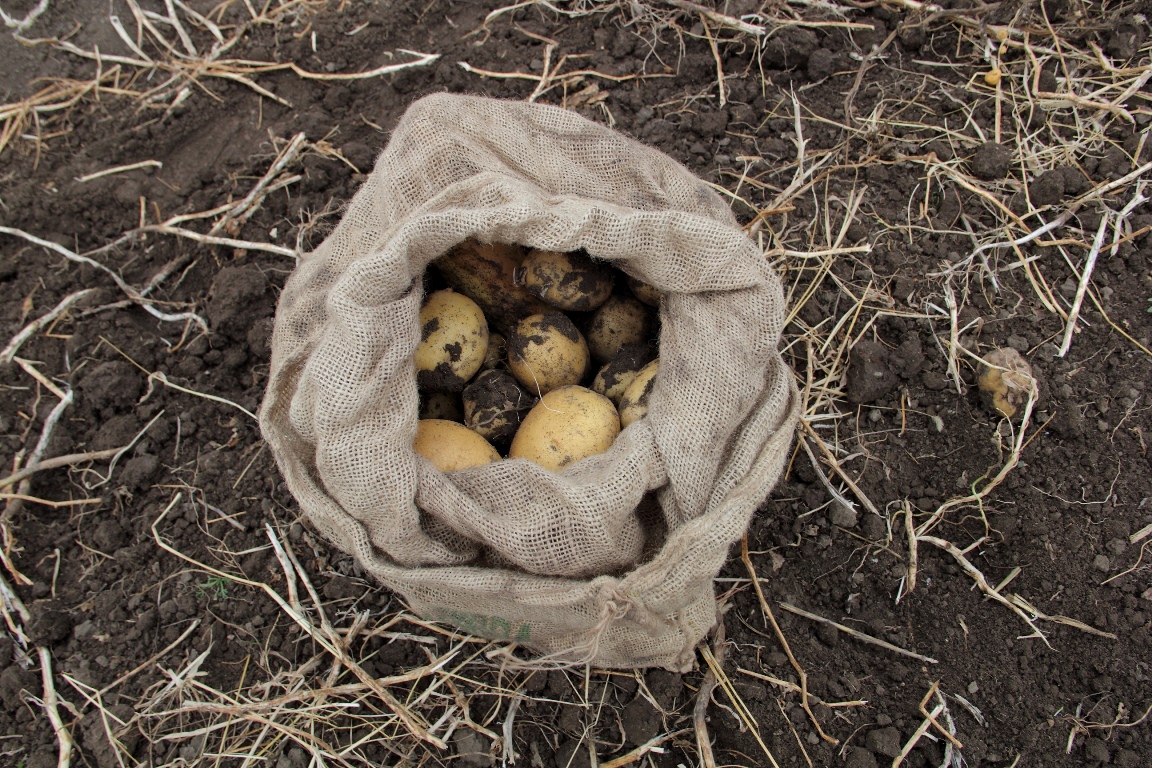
(568,424)
(484,273)
(454,341)
(569,281)
(644,292)
(450,446)
(547,351)
(617,374)
(634,403)
(621,320)
(1005,381)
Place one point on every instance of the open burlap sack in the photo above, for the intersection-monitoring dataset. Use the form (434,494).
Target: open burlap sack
(563,563)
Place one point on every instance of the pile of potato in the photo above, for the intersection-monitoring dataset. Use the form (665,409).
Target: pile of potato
(542,355)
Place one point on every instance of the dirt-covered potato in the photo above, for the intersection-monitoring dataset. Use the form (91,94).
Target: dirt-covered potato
(634,403)
(484,273)
(497,352)
(547,351)
(494,406)
(617,374)
(621,320)
(450,446)
(569,281)
(567,425)
(1005,381)
(453,341)
(441,405)
(644,292)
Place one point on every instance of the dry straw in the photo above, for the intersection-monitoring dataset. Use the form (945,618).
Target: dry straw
(317,702)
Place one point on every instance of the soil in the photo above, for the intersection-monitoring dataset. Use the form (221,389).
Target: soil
(108,601)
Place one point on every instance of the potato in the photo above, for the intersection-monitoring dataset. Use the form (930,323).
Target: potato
(644,292)
(1005,381)
(441,405)
(621,320)
(617,374)
(547,351)
(497,352)
(453,341)
(450,446)
(483,272)
(567,425)
(569,281)
(494,406)
(634,403)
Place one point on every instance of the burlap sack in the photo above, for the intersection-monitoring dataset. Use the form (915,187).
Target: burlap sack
(560,562)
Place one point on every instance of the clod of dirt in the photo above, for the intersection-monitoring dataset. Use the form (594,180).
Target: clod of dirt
(664,687)
(859,757)
(1126,758)
(470,748)
(1047,188)
(883,741)
(50,623)
(259,338)
(293,758)
(874,528)
(572,754)
(12,681)
(115,384)
(822,63)
(360,155)
(991,161)
(843,515)
(641,721)
(789,49)
(1096,751)
(139,470)
(828,634)
(235,292)
(109,536)
(1005,381)
(1126,41)
(908,359)
(96,736)
(869,376)
(116,432)
(1075,182)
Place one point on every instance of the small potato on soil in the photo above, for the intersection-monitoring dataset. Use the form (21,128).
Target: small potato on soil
(453,341)
(569,281)
(615,376)
(621,320)
(644,292)
(634,403)
(547,351)
(450,446)
(1005,381)
(441,405)
(494,406)
(568,424)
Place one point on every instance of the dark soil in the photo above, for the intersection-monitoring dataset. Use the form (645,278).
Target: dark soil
(105,597)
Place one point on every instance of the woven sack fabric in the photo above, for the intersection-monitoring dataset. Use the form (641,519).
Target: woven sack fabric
(565,563)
